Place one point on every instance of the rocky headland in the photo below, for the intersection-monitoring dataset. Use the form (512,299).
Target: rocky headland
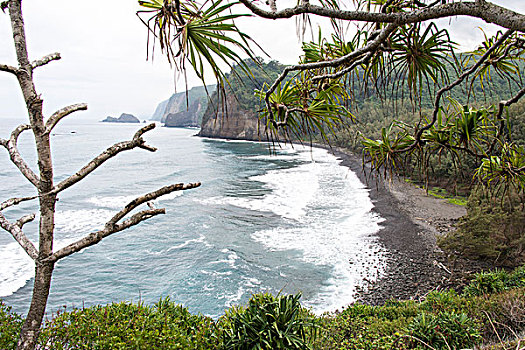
(228,119)
(124,118)
(184,109)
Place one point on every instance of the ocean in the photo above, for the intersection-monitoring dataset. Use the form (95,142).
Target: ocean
(288,221)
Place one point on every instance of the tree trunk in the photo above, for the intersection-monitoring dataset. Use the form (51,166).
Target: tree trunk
(43,272)
(31,328)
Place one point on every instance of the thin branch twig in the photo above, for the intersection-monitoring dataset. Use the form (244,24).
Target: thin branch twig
(14,201)
(16,231)
(45,60)
(9,69)
(62,113)
(11,147)
(112,226)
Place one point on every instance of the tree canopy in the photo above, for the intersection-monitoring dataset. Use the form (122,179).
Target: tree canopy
(397,53)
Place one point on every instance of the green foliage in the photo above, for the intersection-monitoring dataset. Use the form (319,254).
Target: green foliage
(495,282)
(421,53)
(491,308)
(130,326)
(269,322)
(441,193)
(300,113)
(503,170)
(445,330)
(10,326)
(493,229)
(384,153)
(499,62)
(201,34)
(368,327)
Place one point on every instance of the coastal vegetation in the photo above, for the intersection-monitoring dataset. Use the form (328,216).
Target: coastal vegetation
(489,314)
(399,64)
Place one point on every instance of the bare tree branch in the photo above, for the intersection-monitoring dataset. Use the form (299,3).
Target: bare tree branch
(501,108)
(509,102)
(112,151)
(16,231)
(45,60)
(148,197)
(14,201)
(9,69)
(486,11)
(62,113)
(342,72)
(112,226)
(11,147)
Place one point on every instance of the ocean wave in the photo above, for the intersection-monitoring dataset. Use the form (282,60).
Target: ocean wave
(70,226)
(337,227)
(119,202)
(201,239)
(17,272)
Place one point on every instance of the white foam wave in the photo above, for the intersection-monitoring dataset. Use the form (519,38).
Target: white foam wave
(335,228)
(119,202)
(201,239)
(291,191)
(273,157)
(114,202)
(70,226)
(230,261)
(248,285)
(16,270)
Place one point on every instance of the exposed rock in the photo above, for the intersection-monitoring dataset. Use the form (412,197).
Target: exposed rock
(231,121)
(124,118)
(185,118)
(235,114)
(183,102)
(159,111)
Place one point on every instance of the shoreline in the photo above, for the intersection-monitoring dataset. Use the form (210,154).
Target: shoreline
(415,264)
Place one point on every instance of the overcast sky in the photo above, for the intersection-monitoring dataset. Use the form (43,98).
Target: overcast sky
(103,48)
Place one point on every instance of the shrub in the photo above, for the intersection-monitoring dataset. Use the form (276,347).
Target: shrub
(487,283)
(269,322)
(493,229)
(445,330)
(10,325)
(495,282)
(130,326)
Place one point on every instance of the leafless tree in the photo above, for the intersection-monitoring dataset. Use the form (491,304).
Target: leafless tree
(45,257)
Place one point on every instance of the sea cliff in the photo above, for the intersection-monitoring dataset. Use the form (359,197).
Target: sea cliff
(228,119)
(235,110)
(184,108)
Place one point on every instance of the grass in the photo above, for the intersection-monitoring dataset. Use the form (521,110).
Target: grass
(442,193)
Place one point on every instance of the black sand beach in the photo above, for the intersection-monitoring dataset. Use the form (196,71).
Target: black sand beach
(413,220)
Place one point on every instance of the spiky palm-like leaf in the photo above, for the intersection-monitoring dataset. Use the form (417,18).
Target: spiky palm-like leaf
(201,34)
(421,55)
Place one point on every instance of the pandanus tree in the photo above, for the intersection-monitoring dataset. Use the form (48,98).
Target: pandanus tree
(398,51)
(47,191)
(395,48)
